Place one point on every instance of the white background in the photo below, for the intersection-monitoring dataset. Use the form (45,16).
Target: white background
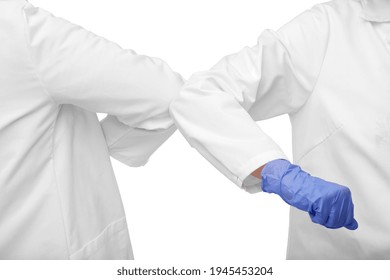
(179,208)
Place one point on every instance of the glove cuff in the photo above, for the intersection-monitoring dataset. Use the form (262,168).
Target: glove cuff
(272,174)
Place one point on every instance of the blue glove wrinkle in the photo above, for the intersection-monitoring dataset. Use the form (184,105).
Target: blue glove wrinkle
(293,195)
(327,203)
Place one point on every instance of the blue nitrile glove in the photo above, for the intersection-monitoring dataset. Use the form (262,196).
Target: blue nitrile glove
(327,203)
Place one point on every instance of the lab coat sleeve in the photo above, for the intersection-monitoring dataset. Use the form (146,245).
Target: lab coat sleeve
(217,109)
(79,68)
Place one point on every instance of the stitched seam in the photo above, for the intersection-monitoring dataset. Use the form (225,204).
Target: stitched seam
(322,64)
(321,67)
(52,127)
(99,235)
(30,54)
(120,137)
(58,188)
(320,143)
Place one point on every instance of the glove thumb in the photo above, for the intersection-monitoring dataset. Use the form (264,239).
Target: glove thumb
(352,226)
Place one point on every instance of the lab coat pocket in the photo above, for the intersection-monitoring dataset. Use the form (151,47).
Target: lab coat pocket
(318,121)
(318,143)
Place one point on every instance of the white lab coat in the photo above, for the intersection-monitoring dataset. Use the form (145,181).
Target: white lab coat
(329,69)
(58,195)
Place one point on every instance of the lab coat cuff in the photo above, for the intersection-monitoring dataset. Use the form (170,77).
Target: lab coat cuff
(249,183)
(132,146)
(128,161)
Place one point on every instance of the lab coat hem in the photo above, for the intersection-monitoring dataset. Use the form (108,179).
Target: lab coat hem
(111,231)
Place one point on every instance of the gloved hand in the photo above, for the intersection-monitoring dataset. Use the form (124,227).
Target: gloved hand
(327,203)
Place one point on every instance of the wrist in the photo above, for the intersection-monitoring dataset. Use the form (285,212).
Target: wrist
(272,174)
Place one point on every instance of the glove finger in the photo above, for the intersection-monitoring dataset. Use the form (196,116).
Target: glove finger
(352,226)
(341,213)
(351,223)
(318,218)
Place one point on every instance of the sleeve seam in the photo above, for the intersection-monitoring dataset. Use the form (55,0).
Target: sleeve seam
(30,54)
(320,68)
(322,63)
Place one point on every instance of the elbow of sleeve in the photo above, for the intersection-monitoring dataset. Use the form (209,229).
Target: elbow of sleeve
(167,100)
(183,103)
(172,107)
(181,110)
(154,112)
(175,105)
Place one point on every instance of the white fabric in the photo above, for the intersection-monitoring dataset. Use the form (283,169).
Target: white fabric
(58,195)
(328,69)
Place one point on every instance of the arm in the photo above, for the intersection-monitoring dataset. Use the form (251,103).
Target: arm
(257,172)
(217,109)
(79,68)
